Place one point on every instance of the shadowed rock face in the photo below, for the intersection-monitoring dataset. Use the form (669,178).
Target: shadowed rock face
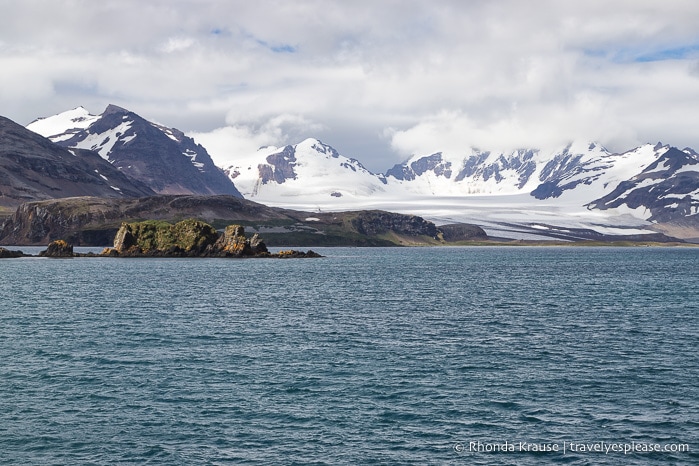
(379,222)
(7,254)
(33,168)
(462,232)
(279,167)
(162,158)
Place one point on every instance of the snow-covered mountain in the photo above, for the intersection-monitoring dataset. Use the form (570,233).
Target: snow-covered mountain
(580,185)
(163,158)
(306,172)
(580,171)
(667,189)
(577,186)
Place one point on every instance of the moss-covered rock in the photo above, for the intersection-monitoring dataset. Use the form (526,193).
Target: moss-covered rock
(58,248)
(188,238)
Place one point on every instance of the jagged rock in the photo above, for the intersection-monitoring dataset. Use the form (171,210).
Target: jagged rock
(257,245)
(58,248)
(232,242)
(293,254)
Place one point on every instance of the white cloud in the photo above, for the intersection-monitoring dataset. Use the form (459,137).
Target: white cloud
(177,44)
(231,143)
(380,80)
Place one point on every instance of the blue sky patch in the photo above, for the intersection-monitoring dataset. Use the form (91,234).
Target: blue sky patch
(676,53)
(629,55)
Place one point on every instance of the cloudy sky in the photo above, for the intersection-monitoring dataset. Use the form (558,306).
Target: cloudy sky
(379,80)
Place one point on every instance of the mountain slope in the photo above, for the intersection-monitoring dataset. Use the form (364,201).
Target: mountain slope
(33,168)
(163,158)
(667,189)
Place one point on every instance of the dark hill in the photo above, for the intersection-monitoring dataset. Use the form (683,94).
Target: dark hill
(95,221)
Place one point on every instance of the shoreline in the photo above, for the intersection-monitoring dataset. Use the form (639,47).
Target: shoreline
(6,253)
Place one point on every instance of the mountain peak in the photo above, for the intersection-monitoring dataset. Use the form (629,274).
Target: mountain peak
(111,109)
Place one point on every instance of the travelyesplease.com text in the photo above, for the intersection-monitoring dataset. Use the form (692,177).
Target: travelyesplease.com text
(607,448)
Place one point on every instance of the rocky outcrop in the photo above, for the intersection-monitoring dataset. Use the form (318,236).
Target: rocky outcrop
(58,249)
(293,254)
(462,232)
(375,222)
(7,254)
(189,238)
(234,243)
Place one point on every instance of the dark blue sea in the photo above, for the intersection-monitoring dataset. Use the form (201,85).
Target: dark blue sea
(473,356)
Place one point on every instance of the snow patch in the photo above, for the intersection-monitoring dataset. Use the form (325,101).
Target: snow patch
(102,143)
(63,125)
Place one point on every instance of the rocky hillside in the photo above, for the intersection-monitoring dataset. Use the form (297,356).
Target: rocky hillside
(95,221)
(33,168)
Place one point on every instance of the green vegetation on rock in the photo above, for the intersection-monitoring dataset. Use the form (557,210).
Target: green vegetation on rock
(155,235)
(187,238)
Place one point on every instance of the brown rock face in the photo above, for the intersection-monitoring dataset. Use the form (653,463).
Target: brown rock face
(234,243)
(58,248)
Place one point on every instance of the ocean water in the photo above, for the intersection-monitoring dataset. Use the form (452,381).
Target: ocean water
(472,356)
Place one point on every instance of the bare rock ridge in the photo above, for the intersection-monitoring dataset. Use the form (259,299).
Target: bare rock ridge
(58,249)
